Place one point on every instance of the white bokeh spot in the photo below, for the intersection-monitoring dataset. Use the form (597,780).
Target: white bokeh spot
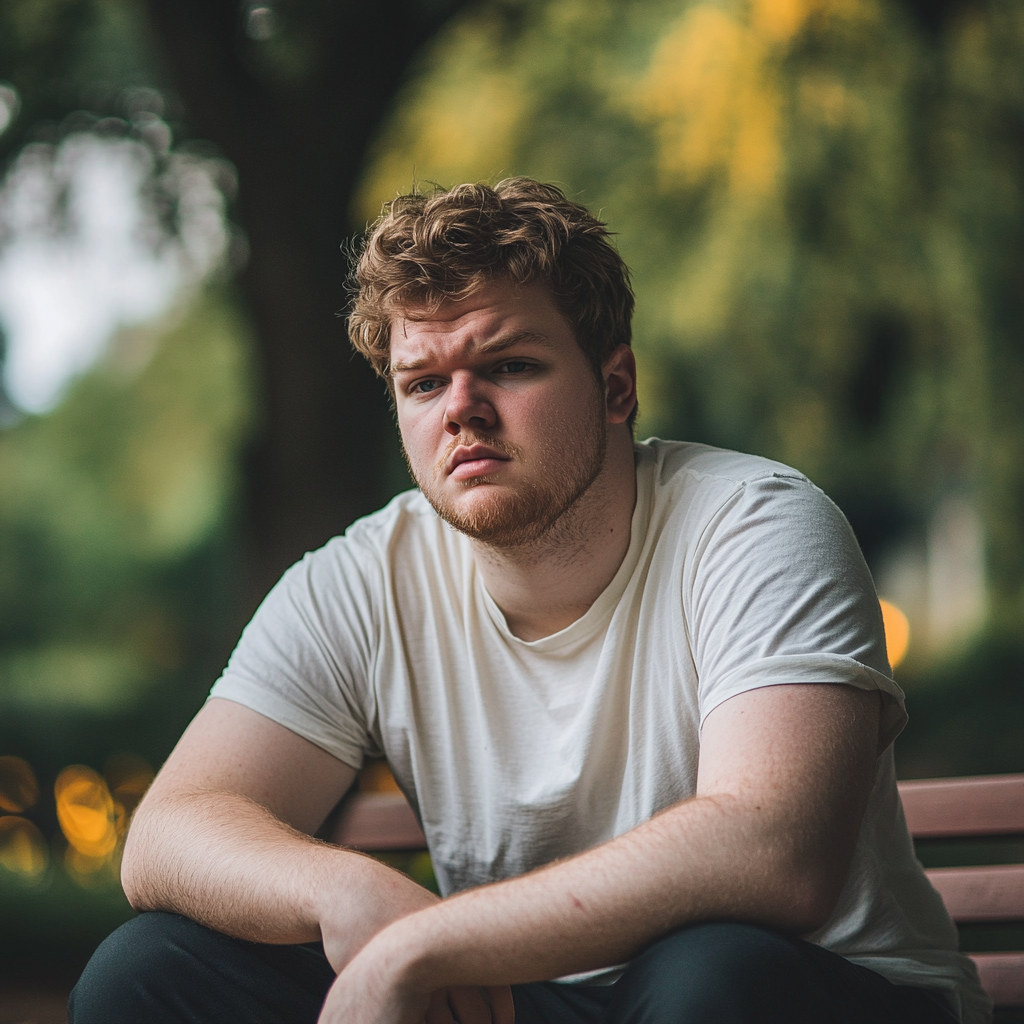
(83,252)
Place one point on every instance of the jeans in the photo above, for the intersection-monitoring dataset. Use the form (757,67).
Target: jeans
(161,968)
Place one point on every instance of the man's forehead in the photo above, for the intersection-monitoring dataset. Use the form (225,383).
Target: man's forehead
(497,295)
(495,316)
(412,356)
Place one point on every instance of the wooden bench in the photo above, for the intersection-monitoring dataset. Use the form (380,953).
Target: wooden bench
(985,807)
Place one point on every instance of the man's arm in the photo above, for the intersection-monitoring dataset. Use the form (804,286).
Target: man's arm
(785,775)
(224,837)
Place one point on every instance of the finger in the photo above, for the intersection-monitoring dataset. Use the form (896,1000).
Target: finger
(438,1012)
(503,1010)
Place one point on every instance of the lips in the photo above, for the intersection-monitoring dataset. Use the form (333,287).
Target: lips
(474,460)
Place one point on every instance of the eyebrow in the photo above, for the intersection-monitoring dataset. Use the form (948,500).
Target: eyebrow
(489,348)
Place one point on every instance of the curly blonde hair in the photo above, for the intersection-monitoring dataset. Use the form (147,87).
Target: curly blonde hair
(426,249)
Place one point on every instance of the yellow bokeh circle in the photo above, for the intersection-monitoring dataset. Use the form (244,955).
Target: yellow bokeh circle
(86,812)
(22,847)
(897,632)
(18,787)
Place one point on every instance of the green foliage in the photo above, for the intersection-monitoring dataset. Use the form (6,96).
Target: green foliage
(105,500)
(66,55)
(118,599)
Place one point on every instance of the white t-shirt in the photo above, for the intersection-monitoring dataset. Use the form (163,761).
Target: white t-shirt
(740,574)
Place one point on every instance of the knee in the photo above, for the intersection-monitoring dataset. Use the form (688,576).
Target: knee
(721,971)
(131,966)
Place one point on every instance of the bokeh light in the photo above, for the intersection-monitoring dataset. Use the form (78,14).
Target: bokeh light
(897,632)
(22,847)
(85,810)
(19,789)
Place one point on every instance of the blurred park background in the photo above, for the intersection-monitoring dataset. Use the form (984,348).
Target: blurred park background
(822,203)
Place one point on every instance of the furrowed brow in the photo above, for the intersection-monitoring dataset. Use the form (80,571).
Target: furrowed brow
(511,340)
(490,348)
(397,368)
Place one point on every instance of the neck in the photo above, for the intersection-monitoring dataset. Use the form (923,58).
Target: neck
(548,584)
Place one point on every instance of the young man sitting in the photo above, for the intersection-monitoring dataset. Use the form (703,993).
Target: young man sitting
(637,694)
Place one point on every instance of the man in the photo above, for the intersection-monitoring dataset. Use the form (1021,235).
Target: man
(637,694)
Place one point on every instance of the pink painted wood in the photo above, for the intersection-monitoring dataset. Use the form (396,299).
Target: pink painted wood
(375,822)
(972,895)
(978,806)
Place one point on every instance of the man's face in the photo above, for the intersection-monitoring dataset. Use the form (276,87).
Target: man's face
(502,420)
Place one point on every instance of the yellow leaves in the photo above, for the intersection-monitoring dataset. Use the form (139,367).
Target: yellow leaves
(712,108)
(714,93)
(92,810)
(780,20)
(897,632)
(94,820)
(22,847)
(457,125)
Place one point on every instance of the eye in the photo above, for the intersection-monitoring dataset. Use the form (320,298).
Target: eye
(424,387)
(513,366)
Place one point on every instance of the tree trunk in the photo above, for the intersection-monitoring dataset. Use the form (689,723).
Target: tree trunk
(324,440)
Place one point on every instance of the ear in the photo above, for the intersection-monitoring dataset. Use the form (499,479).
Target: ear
(619,372)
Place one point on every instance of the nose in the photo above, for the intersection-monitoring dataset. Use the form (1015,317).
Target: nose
(467,407)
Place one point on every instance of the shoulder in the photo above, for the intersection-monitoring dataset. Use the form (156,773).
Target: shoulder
(696,486)
(338,591)
(685,463)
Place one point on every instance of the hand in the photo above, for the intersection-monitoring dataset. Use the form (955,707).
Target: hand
(348,925)
(370,991)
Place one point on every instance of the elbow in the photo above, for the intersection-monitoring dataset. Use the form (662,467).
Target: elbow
(133,869)
(809,896)
(130,875)
(809,912)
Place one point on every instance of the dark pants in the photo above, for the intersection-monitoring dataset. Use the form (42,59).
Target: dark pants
(161,968)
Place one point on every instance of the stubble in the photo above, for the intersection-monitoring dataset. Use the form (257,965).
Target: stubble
(556,476)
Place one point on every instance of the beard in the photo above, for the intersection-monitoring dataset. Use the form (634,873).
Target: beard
(558,474)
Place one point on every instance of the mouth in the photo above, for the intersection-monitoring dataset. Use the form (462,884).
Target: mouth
(470,461)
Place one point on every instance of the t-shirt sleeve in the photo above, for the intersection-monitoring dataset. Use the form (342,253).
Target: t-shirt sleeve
(780,593)
(306,658)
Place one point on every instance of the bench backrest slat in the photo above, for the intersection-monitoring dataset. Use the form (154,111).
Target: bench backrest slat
(378,821)
(983,805)
(974,895)
(976,807)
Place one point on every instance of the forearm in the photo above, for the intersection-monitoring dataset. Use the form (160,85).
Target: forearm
(229,863)
(705,859)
